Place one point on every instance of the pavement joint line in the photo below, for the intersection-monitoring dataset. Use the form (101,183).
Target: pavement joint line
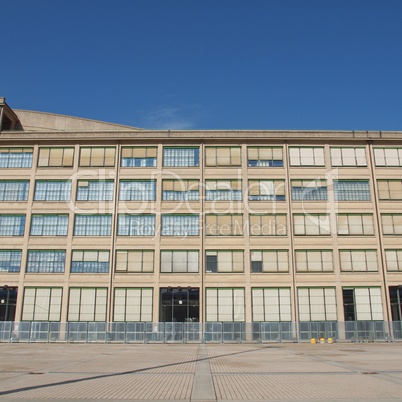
(203,387)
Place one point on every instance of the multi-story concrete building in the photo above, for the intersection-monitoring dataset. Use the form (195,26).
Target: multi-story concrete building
(283,229)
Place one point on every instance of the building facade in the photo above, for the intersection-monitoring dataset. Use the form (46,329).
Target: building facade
(114,224)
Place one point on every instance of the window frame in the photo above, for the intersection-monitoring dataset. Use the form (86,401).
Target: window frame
(63,159)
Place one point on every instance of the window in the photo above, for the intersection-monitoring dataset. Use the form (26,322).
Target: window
(52,190)
(389,189)
(93,225)
(224,225)
(135,261)
(95,190)
(97,156)
(269,261)
(136,225)
(358,260)
(265,156)
(351,190)
(391,224)
(362,304)
(268,225)
(266,190)
(317,304)
(137,190)
(222,156)
(56,157)
(16,157)
(271,304)
(306,156)
(138,156)
(180,190)
(225,305)
(90,261)
(393,259)
(314,261)
(10,260)
(311,224)
(46,261)
(309,190)
(348,156)
(49,225)
(181,156)
(223,190)
(42,304)
(180,225)
(355,225)
(12,225)
(179,261)
(224,261)
(388,156)
(87,304)
(395,297)
(132,304)
(14,190)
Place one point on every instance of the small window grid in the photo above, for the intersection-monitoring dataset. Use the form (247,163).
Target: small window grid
(271,305)
(223,190)
(317,304)
(46,261)
(265,156)
(12,225)
(16,157)
(56,157)
(49,225)
(268,225)
(311,225)
(391,224)
(389,190)
(133,305)
(266,190)
(92,225)
(314,261)
(222,156)
(224,225)
(90,261)
(179,261)
(137,261)
(180,190)
(388,157)
(355,225)
(225,304)
(352,190)
(136,225)
(87,304)
(394,260)
(95,190)
(139,156)
(180,225)
(14,190)
(346,156)
(306,156)
(137,190)
(223,261)
(358,260)
(309,190)
(269,261)
(52,190)
(10,260)
(97,156)
(42,304)
(181,156)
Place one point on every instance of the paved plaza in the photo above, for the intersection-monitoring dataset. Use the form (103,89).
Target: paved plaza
(201,372)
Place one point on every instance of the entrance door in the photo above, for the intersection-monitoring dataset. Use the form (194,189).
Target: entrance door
(179,304)
(8,301)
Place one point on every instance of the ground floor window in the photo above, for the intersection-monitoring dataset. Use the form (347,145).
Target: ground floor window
(42,304)
(271,304)
(317,304)
(362,304)
(225,304)
(132,304)
(87,304)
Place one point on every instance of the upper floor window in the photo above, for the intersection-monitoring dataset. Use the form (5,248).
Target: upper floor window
(12,225)
(266,190)
(138,156)
(179,261)
(90,261)
(223,190)
(46,261)
(351,190)
(391,224)
(389,189)
(348,156)
(224,261)
(393,259)
(180,225)
(311,224)
(309,190)
(269,261)
(56,157)
(97,156)
(268,225)
(355,224)
(16,157)
(358,260)
(306,156)
(314,261)
(222,156)
(137,190)
(10,260)
(181,156)
(265,156)
(93,225)
(14,190)
(388,156)
(95,190)
(52,190)
(136,225)
(224,225)
(49,225)
(135,261)
(180,190)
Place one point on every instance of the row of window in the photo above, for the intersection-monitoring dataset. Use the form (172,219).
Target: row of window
(189,156)
(188,225)
(222,304)
(187,261)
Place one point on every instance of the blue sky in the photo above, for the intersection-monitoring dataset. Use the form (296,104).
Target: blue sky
(207,64)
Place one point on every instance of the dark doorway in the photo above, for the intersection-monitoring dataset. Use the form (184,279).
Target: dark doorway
(8,301)
(395,295)
(180,304)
